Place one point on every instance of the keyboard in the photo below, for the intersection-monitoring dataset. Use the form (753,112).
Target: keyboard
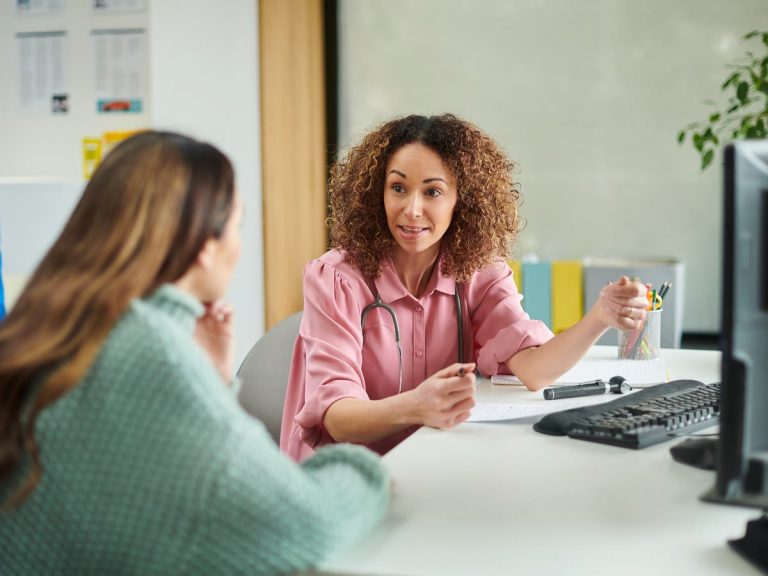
(654,418)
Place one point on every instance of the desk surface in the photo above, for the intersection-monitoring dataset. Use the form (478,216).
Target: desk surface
(499,498)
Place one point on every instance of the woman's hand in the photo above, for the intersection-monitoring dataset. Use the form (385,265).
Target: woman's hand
(621,304)
(445,399)
(214,333)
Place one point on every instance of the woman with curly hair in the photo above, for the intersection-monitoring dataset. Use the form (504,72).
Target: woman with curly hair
(415,293)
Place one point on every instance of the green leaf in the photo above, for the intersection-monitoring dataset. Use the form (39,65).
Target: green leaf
(681,137)
(706,158)
(732,109)
(765,38)
(751,132)
(698,142)
(714,117)
(742,91)
(750,35)
(730,80)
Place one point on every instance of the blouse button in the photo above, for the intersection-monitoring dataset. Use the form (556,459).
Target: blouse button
(419,310)
(419,353)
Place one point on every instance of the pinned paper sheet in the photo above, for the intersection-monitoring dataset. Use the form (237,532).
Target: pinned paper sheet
(639,373)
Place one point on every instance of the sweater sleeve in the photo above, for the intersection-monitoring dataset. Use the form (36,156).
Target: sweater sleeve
(268,514)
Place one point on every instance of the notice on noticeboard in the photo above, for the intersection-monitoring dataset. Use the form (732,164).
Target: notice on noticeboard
(119,57)
(111,6)
(39,6)
(43,77)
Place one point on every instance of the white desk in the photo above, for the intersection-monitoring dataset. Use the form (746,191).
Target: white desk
(499,498)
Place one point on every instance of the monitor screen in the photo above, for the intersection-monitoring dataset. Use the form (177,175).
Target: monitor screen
(742,460)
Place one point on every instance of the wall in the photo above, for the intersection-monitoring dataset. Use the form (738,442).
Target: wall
(586,96)
(204,77)
(203,81)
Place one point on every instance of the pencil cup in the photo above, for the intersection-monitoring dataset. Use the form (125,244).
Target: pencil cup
(643,343)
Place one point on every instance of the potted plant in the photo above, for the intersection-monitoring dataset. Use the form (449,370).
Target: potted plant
(746,114)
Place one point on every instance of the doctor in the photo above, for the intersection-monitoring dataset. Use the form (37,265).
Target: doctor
(415,295)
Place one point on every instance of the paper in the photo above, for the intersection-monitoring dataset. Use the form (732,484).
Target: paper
(42,72)
(638,373)
(494,412)
(39,6)
(119,57)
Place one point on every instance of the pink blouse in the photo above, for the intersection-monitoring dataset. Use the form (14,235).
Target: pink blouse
(335,358)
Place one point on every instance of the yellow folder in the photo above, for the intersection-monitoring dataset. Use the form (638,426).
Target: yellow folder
(517,272)
(567,294)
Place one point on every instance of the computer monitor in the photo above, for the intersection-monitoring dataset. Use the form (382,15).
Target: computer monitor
(742,454)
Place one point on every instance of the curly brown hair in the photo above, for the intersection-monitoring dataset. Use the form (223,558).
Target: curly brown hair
(485,220)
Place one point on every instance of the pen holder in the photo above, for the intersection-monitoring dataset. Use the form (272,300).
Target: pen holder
(643,343)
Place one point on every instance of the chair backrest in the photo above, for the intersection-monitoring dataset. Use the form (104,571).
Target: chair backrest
(264,374)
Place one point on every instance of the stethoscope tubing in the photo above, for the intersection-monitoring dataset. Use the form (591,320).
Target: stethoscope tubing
(379,303)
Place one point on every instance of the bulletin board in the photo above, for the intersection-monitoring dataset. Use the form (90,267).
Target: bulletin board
(73,70)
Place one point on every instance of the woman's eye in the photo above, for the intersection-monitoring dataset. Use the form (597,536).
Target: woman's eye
(433,192)
(397,188)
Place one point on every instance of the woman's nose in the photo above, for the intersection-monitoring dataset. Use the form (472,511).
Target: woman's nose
(413,208)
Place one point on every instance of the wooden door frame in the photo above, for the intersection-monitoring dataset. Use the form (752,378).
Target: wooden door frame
(294,141)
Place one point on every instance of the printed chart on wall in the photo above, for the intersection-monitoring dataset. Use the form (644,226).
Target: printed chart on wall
(43,76)
(39,6)
(106,6)
(119,69)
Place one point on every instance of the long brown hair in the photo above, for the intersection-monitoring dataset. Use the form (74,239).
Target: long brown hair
(485,220)
(141,222)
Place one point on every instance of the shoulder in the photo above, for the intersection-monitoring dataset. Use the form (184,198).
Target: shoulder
(494,272)
(159,345)
(144,327)
(334,265)
(151,357)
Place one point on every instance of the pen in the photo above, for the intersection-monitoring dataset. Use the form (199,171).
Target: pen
(590,388)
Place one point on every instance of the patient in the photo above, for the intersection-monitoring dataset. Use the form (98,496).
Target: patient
(121,448)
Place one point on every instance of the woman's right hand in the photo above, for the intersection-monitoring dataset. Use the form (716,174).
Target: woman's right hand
(445,399)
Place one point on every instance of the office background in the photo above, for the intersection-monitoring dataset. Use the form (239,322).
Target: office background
(203,74)
(586,96)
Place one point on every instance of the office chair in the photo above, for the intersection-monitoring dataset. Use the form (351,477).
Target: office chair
(264,374)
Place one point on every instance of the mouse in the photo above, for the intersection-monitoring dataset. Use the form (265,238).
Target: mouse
(698,452)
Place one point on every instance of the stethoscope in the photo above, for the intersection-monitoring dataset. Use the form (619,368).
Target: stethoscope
(378,303)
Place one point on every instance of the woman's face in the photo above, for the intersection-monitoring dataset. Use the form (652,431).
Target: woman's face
(419,198)
(227,252)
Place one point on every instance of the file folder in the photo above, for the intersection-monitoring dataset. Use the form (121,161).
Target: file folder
(517,273)
(567,294)
(537,291)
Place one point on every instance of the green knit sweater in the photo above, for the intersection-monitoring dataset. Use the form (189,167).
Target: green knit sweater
(151,467)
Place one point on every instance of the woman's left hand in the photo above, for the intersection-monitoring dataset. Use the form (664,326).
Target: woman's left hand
(621,304)
(214,332)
